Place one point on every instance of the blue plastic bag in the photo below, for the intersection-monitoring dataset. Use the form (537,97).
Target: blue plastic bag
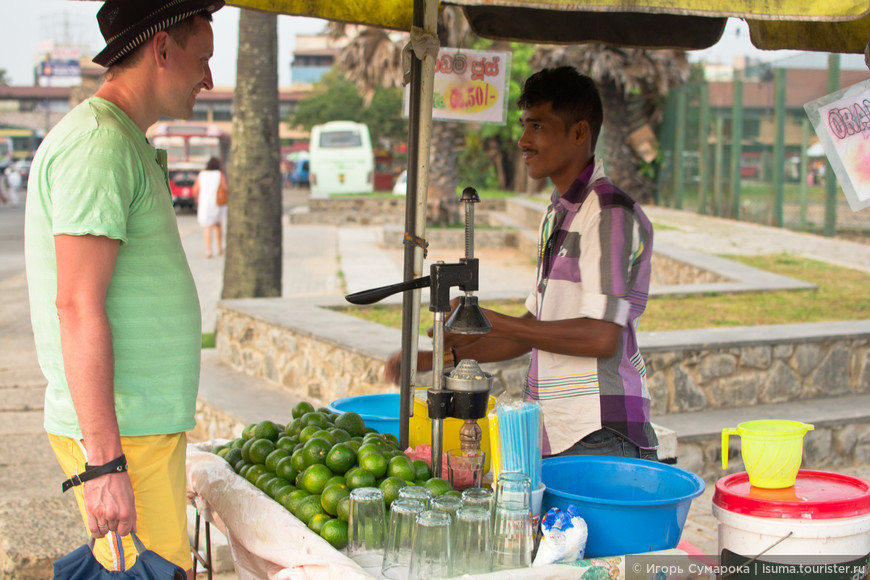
(80,564)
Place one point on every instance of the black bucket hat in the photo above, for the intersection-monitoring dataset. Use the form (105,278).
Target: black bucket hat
(126,24)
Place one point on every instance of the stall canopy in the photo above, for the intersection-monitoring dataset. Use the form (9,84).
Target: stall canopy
(817,25)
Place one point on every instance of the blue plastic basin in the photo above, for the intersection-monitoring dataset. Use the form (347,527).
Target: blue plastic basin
(630,506)
(380,412)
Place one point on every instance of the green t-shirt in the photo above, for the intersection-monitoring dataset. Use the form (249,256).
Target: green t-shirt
(95,173)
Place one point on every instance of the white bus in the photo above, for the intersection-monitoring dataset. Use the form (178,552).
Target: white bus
(341,159)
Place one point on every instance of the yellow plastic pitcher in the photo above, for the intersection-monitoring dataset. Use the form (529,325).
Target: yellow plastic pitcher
(772,451)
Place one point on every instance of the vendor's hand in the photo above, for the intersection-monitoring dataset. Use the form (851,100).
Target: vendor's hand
(393,368)
(110,505)
(454,304)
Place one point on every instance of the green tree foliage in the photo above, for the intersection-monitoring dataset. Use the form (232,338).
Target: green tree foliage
(490,146)
(336,99)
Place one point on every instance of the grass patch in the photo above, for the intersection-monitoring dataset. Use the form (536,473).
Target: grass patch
(208,340)
(841,295)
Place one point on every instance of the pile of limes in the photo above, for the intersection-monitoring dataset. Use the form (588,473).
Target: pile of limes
(311,464)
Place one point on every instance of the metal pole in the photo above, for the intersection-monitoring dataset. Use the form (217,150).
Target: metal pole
(703,147)
(805,143)
(779,146)
(679,146)
(419,130)
(830,178)
(718,169)
(736,146)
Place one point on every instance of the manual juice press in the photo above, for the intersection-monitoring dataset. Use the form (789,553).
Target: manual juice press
(462,393)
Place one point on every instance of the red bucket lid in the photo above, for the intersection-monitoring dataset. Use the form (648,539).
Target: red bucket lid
(816,495)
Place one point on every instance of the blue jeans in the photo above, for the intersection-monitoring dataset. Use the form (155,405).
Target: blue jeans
(604,442)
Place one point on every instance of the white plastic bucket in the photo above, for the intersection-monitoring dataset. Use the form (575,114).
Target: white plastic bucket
(823,515)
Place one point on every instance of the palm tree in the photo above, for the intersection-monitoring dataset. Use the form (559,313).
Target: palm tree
(633,85)
(373,57)
(253,260)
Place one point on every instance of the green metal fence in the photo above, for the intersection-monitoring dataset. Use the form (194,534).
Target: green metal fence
(733,158)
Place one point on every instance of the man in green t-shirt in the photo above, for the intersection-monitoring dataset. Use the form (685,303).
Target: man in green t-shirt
(114,308)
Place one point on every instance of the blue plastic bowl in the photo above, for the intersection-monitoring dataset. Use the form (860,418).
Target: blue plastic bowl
(380,412)
(631,506)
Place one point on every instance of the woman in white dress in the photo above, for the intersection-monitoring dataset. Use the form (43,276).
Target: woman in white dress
(209,214)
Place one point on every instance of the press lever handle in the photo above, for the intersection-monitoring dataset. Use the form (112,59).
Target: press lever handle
(378,294)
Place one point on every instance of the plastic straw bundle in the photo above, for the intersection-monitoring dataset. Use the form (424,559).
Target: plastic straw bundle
(520,429)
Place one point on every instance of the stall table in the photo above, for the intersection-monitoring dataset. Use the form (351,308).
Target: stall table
(268,542)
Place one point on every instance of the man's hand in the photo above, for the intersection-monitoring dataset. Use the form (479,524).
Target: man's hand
(110,504)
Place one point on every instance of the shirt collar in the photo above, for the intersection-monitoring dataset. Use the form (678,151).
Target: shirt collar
(578,190)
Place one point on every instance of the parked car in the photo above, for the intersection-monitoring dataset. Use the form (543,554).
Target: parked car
(401,186)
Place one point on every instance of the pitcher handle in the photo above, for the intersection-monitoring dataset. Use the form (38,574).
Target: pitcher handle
(725,433)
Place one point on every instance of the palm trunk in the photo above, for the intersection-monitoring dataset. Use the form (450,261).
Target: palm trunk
(253,260)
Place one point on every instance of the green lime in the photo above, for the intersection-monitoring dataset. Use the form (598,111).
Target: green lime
(374,462)
(287,442)
(340,435)
(291,502)
(233,455)
(422,469)
(248,431)
(316,419)
(402,467)
(301,408)
(298,459)
(307,433)
(273,458)
(340,458)
(237,442)
(353,444)
(335,532)
(294,427)
(285,469)
(336,479)
(260,450)
(317,521)
(282,493)
(324,434)
(275,484)
(391,486)
(267,430)
(255,471)
(220,450)
(314,478)
(359,477)
(392,440)
(246,449)
(330,497)
(264,480)
(352,423)
(315,450)
(343,509)
(367,448)
(438,486)
(308,508)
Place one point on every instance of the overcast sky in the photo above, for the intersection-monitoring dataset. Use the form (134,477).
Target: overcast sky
(26,23)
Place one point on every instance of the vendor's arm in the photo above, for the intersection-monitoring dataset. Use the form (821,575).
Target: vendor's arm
(84,270)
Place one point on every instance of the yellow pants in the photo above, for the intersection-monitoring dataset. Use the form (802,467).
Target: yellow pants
(157,470)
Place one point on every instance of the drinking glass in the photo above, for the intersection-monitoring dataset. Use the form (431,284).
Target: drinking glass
(512,538)
(400,535)
(472,541)
(446,503)
(366,526)
(431,556)
(478,496)
(416,492)
(465,468)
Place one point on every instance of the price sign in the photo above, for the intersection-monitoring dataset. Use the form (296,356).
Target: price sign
(470,86)
(842,123)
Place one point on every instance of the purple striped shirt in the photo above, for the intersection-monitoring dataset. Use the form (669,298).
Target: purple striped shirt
(594,252)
